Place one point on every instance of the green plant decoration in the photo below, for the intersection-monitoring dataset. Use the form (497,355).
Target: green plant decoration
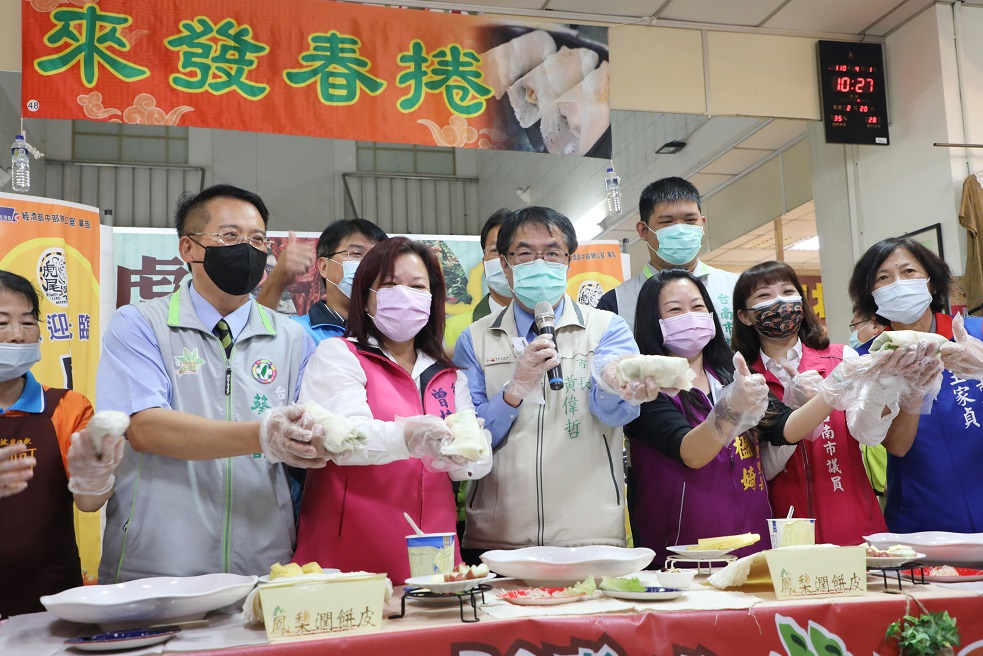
(929,634)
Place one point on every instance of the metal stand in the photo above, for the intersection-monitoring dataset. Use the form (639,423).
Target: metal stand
(683,560)
(913,569)
(468,597)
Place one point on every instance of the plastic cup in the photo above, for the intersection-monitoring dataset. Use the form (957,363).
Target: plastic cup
(790,532)
(431,553)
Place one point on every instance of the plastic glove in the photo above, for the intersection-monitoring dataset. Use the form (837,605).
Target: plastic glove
(290,435)
(924,382)
(741,405)
(888,368)
(89,473)
(536,359)
(605,374)
(964,357)
(425,435)
(802,387)
(16,469)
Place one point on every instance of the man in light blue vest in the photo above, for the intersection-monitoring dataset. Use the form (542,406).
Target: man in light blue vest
(208,378)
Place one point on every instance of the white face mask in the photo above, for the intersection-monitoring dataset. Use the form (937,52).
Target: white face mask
(495,277)
(17,359)
(348,276)
(904,301)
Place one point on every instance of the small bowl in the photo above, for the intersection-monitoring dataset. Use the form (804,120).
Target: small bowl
(681,580)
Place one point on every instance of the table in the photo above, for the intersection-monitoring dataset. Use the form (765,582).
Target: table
(854,625)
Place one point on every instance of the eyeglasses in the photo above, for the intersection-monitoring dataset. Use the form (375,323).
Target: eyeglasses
(491,250)
(526,256)
(350,255)
(260,242)
(861,324)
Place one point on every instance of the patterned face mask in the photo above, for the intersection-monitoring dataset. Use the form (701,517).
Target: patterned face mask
(778,318)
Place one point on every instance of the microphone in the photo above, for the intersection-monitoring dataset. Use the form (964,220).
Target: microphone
(544,326)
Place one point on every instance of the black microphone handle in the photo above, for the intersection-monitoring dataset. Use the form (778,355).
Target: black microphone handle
(555,376)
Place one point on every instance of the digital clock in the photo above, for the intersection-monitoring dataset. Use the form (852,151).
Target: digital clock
(854,98)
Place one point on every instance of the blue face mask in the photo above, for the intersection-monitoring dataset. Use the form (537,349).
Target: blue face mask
(495,277)
(538,281)
(679,243)
(347,277)
(854,341)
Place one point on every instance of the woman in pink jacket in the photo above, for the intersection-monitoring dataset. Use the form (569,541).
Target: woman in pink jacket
(391,377)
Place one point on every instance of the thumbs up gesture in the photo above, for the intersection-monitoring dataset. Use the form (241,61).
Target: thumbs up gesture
(964,357)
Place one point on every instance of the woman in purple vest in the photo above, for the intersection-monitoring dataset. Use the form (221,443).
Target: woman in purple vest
(391,377)
(695,458)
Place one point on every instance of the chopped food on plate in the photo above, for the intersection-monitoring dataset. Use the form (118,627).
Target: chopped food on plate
(895,551)
(728,542)
(462,573)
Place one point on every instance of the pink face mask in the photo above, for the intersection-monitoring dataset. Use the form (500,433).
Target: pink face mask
(687,334)
(401,312)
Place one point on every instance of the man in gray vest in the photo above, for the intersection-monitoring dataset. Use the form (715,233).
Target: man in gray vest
(208,378)
(557,477)
(672,224)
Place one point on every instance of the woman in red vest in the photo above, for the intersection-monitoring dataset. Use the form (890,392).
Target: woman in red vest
(823,478)
(40,450)
(391,377)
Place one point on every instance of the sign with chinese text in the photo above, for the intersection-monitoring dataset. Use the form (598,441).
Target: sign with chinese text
(324,69)
(351,603)
(810,572)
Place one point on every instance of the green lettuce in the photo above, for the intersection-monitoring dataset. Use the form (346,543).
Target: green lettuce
(622,584)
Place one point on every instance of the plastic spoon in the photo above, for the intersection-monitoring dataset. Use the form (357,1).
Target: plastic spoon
(416,529)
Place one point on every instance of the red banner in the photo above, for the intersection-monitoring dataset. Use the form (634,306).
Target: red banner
(319,68)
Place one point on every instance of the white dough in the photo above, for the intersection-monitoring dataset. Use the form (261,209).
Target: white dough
(578,118)
(340,434)
(668,372)
(538,88)
(105,423)
(506,63)
(894,339)
(470,441)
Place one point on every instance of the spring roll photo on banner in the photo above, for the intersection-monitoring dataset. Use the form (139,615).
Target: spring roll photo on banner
(548,81)
(506,63)
(578,118)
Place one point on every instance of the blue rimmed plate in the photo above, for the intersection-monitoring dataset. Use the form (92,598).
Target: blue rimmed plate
(117,640)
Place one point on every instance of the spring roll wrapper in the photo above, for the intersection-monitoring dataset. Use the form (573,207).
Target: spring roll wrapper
(506,63)
(542,85)
(581,116)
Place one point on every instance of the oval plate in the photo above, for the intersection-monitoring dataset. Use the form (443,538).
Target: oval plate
(891,561)
(445,587)
(687,551)
(316,576)
(121,640)
(650,594)
(523,597)
(964,575)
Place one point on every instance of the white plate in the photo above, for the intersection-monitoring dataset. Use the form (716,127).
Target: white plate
(939,547)
(513,598)
(119,640)
(686,551)
(653,594)
(446,587)
(324,574)
(891,561)
(142,602)
(550,566)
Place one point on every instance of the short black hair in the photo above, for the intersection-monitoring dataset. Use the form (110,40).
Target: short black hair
(327,243)
(12,282)
(543,216)
(865,271)
(497,218)
(192,217)
(666,190)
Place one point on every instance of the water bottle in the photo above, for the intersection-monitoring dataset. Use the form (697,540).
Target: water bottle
(612,185)
(20,165)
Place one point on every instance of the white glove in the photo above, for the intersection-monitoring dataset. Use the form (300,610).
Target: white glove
(741,405)
(15,469)
(290,435)
(536,359)
(802,388)
(964,357)
(89,473)
(425,436)
(605,373)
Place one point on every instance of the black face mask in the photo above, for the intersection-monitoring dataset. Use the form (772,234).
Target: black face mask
(236,270)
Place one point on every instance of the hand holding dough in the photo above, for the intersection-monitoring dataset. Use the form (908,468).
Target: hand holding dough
(470,441)
(668,372)
(340,434)
(894,339)
(106,423)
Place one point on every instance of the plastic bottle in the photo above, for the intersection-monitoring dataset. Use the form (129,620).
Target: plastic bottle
(20,166)
(612,184)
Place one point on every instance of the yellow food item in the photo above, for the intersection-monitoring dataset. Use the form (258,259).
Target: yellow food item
(727,542)
(279,571)
(311,568)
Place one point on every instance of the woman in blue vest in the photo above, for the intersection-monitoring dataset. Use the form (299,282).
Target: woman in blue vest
(935,447)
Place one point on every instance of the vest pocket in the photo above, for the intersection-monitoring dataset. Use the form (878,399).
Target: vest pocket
(611,468)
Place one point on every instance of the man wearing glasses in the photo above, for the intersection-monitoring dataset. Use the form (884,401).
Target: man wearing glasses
(557,478)
(340,248)
(207,377)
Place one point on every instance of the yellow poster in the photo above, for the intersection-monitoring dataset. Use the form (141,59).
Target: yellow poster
(55,245)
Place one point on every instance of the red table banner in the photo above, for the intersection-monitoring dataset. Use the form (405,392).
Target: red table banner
(320,68)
